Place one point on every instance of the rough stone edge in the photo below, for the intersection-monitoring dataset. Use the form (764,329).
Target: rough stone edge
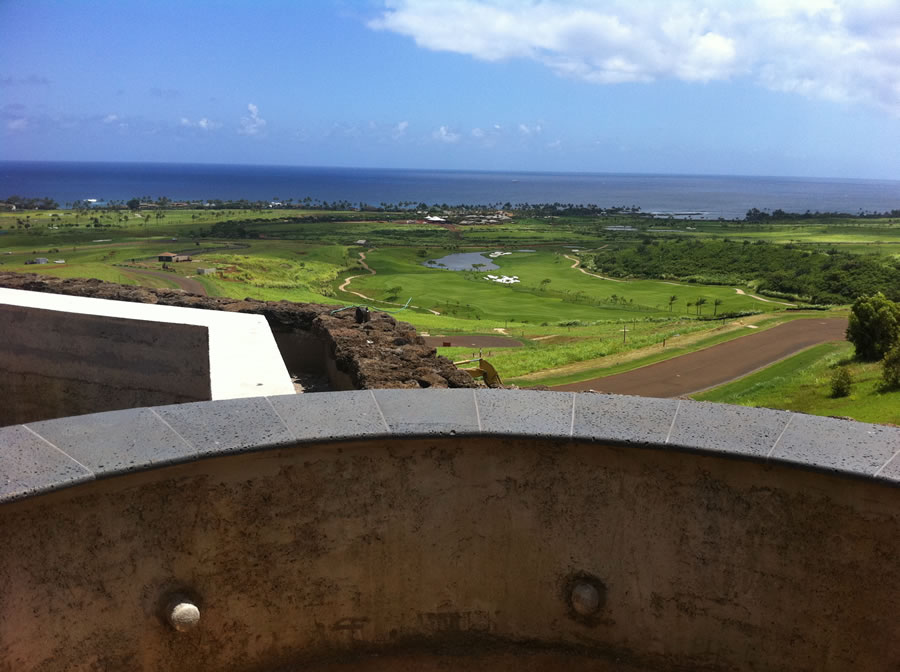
(428,432)
(381,353)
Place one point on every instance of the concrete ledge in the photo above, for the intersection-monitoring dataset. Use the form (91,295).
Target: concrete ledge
(449,530)
(42,457)
(382,353)
(191,354)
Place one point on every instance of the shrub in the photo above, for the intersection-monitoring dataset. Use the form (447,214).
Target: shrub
(841,382)
(890,368)
(874,326)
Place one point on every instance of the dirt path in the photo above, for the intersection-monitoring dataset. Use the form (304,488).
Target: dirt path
(718,364)
(187,284)
(351,278)
(593,275)
(372,271)
(759,298)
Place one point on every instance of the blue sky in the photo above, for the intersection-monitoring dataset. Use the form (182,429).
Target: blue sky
(759,87)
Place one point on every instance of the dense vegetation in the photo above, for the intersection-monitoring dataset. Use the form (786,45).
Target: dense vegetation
(23,203)
(874,326)
(830,277)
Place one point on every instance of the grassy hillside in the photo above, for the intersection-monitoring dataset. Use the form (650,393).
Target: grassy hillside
(802,383)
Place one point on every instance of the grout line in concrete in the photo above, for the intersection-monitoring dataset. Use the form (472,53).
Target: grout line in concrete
(775,445)
(278,415)
(572,424)
(477,411)
(889,460)
(380,412)
(163,420)
(672,426)
(57,448)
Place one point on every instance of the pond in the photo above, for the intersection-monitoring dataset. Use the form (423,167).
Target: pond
(462,261)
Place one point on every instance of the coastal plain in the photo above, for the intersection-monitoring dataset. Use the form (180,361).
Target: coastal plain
(569,320)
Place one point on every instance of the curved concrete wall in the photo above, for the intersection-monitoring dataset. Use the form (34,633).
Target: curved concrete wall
(450,529)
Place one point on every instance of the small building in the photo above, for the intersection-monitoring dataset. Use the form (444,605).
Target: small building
(172,257)
(41,260)
(59,261)
(207,271)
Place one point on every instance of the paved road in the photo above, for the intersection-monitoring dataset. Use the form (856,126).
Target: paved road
(720,363)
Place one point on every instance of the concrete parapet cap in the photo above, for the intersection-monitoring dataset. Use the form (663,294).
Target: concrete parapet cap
(42,457)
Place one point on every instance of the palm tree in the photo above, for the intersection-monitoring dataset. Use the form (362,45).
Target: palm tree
(672,299)
(699,303)
(716,304)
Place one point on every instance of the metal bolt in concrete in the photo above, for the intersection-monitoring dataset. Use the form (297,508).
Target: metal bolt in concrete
(183,616)
(585,598)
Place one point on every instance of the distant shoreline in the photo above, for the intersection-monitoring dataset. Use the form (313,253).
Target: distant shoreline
(729,197)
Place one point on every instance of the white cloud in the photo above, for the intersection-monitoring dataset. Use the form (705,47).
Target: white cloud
(845,50)
(110,118)
(444,134)
(252,124)
(399,130)
(19,124)
(203,124)
(30,80)
(525,129)
(344,130)
(488,136)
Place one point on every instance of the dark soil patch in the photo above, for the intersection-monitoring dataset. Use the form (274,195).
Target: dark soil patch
(477,341)
(719,364)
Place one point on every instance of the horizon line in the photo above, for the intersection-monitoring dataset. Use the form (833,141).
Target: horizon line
(451,170)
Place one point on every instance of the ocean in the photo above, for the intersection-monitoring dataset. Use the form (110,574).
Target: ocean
(699,196)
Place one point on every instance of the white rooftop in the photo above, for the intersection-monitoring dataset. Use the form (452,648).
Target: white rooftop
(244,360)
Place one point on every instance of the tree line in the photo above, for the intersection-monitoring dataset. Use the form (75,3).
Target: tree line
(757,215)
(25,203)
(815,277)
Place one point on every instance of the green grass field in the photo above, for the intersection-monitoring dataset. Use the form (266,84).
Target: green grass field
(569,294)
(570,323)
(802,383)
